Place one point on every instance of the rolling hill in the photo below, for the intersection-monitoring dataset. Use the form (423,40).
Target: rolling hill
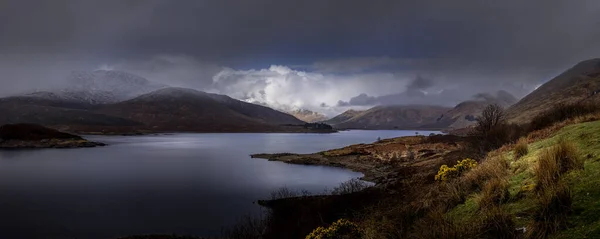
(55,112)
(396,117)
(338,119)
(579,83)
(465,113)
(181,109)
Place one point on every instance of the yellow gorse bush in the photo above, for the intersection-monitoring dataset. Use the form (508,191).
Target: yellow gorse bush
(461,166)
(341,229)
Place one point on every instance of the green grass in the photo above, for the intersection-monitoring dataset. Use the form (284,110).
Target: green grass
(584,222)
(465,212)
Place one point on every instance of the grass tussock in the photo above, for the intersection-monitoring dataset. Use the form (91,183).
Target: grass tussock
(494,193)
(568,155)
(556,161)
(383,225)
(554,206)
(490,168)
(521,148)
(496,223)
(249,227)
(553,196)
(443,228)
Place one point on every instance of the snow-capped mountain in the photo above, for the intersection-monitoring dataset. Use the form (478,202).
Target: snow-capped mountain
(101,87)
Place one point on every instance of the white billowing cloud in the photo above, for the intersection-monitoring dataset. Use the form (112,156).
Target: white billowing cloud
(285,88)
(333,86)
(277,86)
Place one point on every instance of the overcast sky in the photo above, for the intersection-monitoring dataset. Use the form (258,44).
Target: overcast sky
(315,54)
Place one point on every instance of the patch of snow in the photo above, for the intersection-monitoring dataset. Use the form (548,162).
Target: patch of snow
(101,87)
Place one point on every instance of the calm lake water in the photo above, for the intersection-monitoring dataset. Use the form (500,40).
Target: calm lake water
(187,184)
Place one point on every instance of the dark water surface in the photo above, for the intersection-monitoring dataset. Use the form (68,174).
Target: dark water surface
(189,184)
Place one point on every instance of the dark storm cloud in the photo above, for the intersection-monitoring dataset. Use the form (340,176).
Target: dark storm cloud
(233,31)
(448,98)
(463,45)
(419,83)
(414,94)
(360,100)
(422,91)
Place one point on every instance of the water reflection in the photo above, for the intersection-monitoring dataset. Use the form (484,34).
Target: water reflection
(181,183)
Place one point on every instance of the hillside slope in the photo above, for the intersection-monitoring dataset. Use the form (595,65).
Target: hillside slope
(55,113)
(255,111)
(523,204)
(338,119)
(180,109)
(581,82)
(501,196)
(397,117)
(167,109)
(465,113)
(307,115)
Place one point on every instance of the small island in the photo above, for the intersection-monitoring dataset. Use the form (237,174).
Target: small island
(22,136)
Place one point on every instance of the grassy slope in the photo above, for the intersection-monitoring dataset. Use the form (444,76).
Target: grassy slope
(585,220)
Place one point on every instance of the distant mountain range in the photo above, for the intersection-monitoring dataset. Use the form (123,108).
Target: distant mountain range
(119,102)
(420,116)
(577,84)
(396,117)
(114,101)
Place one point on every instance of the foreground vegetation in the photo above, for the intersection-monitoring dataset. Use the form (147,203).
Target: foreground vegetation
(527,181)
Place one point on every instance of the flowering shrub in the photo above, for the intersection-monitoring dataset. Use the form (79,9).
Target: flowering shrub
(461,166)
(341,229)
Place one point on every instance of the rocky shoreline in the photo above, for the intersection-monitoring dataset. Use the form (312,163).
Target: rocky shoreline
(32,136)
(372,173)
(48,143)
(383,162)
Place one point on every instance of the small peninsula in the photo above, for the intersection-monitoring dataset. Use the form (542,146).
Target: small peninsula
(23,136)
(385,161)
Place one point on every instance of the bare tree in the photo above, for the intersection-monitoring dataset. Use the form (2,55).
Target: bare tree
(491,117)
(492,131)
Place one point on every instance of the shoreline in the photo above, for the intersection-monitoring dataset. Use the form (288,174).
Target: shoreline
(158,132)
(314,160)
(48,144)
(197,132)
(383,162)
